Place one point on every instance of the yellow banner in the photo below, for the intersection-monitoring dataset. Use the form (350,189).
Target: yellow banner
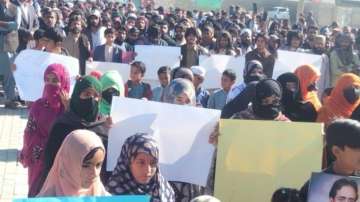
(257,157)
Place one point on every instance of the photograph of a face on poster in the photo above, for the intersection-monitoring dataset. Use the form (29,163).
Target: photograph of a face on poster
(333,188)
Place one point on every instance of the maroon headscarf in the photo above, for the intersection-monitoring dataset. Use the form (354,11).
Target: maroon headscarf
(51,93)
(42,115)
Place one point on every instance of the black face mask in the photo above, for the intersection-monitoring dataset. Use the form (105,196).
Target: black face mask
(268,112)
(319,51)
(351,94)
(87,109)
(312,87)
(108,95)
(251,78)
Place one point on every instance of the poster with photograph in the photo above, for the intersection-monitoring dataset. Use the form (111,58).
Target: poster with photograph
(325,187)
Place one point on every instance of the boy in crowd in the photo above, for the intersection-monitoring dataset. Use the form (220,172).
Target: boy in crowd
(343,141)
(135,87)
(191,51)
(108,52)
(202,95)
(218,99)
(164,79)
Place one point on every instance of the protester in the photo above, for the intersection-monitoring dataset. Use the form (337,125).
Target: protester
(218,99)
(164,80)
(40,40)
(308,76)
(29,23)
(77,43)
(76,169)
(42,115)
(294,107)
(246,41)
(224,45)
(108,52)
(207,40)
(135,87)
(137,171)
(95,31)
(191,50)
(343,100)
(342,139)
(10,19)
(342,58)
(112,85)
(266,105)
(262,54)
(202,95)
(180,91)
(54,40)
(83,113)
(253,71)
(182,72)
(294,41)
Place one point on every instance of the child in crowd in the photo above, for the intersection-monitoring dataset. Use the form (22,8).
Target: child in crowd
(76,170)
(135,87)
(191,51)
(164,79)
(40,41)
(202,95)
(218,99)
(342,139)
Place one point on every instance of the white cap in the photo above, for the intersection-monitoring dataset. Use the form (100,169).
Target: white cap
(96,13)
(198,70)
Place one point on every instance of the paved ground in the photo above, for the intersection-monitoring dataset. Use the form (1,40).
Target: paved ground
(13,177)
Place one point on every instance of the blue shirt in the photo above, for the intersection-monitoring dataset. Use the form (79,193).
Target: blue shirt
(217,100)
(202,97)
(157,92)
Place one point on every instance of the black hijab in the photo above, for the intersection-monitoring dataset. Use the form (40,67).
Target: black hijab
(292,105)
(264,89)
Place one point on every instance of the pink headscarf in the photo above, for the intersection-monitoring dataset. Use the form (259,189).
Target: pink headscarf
(42,115)
(52,93)
(64,178)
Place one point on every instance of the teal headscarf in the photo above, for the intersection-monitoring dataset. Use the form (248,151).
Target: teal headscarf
(111,79)
(86,109)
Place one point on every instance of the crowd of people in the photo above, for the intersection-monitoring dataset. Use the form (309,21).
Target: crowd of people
(66,135)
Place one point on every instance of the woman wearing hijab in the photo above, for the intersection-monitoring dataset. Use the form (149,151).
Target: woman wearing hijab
(266,105)
(42,114)
(241,94)
(112,85)
(181,92)
(76,170)
(293,106)
(253,71)
(83,114)
(130,178)
(343,100)
(308,75)
(343,59)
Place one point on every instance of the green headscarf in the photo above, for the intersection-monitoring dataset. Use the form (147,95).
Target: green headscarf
(86,109)
(111,79)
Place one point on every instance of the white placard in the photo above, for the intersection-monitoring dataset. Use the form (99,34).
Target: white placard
(181,131)
(30,68)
